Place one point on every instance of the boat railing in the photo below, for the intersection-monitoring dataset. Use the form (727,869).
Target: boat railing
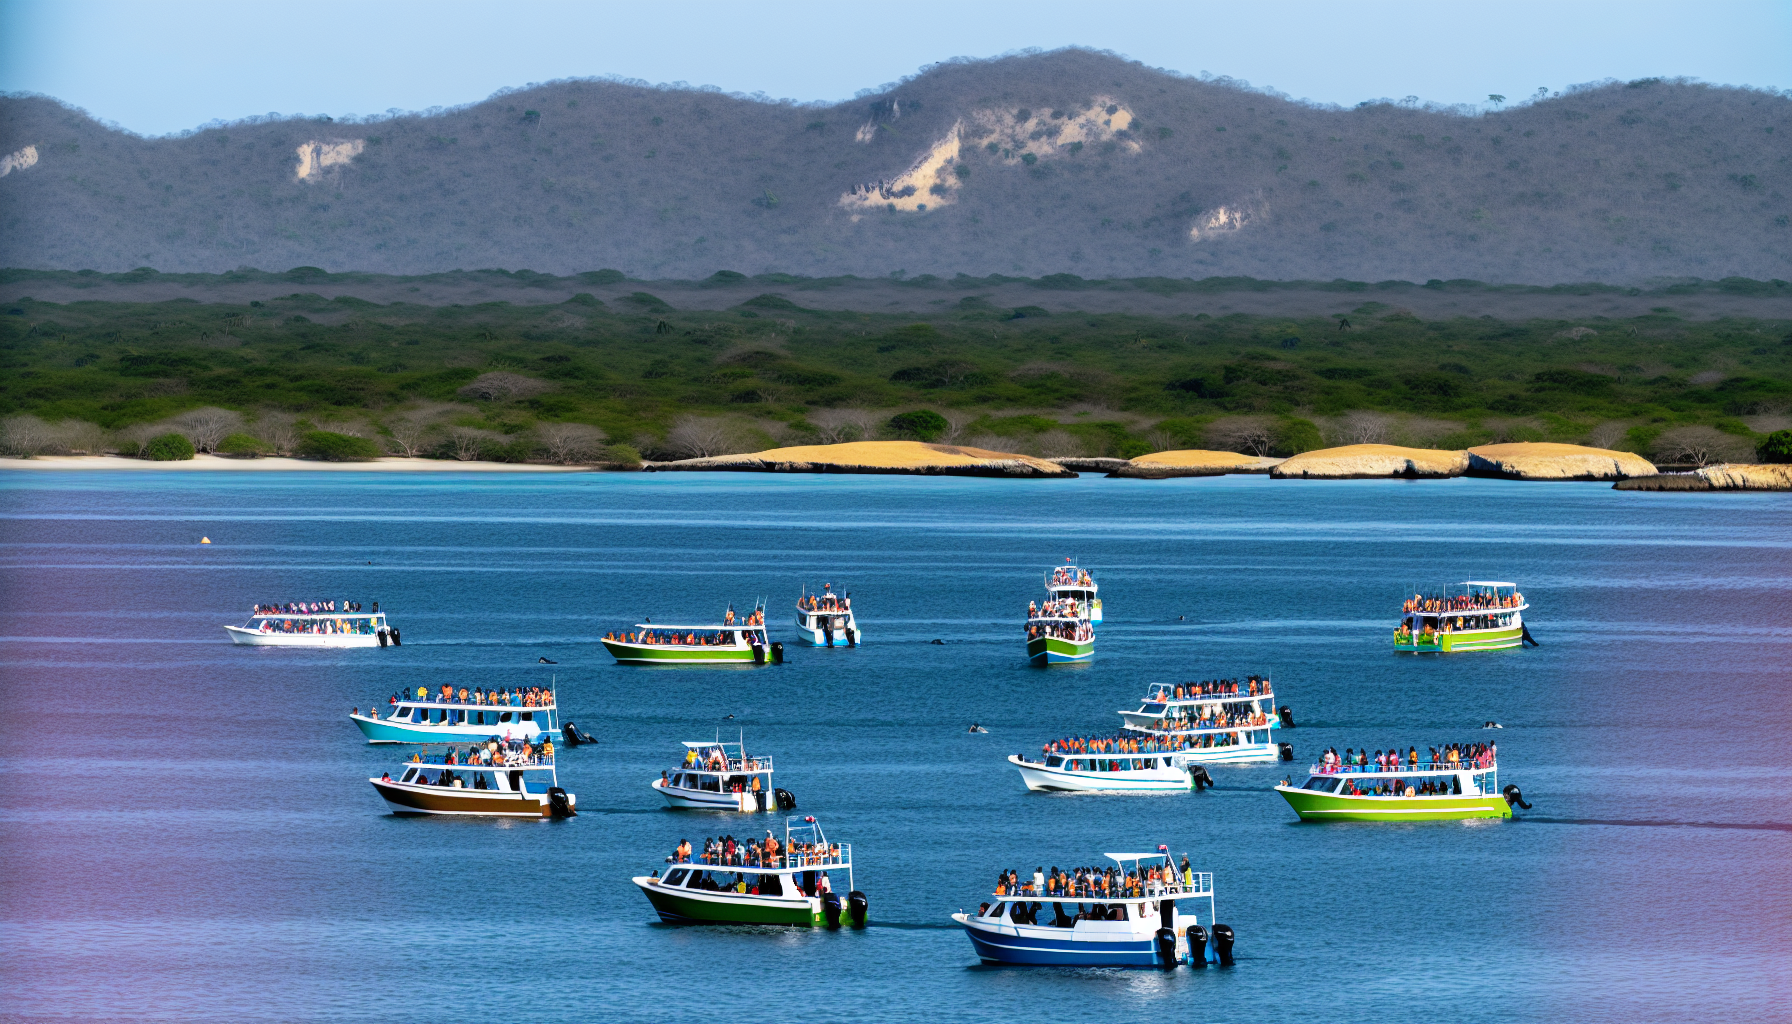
(803,859)
(506,761)
(1207,698)
(733,764)
(1403,769)
(1163,728)
(1201,884)
(436,700)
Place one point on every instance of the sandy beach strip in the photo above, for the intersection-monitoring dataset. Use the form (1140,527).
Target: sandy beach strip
(217,463)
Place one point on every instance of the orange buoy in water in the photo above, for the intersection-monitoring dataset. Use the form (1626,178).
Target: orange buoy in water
(205,540)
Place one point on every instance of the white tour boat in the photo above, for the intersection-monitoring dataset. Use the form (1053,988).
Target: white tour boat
(1106,772)
(1144,912)
(1213,722)
(268,626)
(826,619)
(451,715)
(1072,583)
(719,776)
(509,780)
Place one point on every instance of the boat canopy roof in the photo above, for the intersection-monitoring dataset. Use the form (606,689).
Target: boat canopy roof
(433,702)
(1122,858)
(1486,583)
(714,625)
(1404,771)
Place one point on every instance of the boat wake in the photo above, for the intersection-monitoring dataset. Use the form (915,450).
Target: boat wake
(1763,826)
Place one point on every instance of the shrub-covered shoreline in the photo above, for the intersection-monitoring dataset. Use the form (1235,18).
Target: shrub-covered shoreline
(584,381)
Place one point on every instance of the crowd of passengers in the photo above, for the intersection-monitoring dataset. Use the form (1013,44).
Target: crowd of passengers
(1069,576)
(767,885)
(726,851)
(1095,883)
(1079,632)
(516,697)
(493,753)
(1450,756)
(310,608)
(826,602)
(1251,687)
(323,626)
(1461,602)
(1428,631)
(1061,608)
(1104,746)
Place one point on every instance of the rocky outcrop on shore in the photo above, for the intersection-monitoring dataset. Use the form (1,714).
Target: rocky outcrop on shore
(1359,461)
(1525,460)
(1089,465)
(1191,462)
(1729,476)
(900,457)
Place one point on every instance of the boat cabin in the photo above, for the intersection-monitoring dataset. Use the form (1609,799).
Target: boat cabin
(1420,780)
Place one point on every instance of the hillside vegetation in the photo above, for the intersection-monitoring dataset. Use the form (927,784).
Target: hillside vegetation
(564,380)
(1066,162)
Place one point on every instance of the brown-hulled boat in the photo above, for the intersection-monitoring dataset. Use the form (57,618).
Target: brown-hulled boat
(497,782)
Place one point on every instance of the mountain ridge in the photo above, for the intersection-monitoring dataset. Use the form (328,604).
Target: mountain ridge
(1070,161)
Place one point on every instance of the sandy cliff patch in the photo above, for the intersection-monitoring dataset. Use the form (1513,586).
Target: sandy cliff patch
(1541,461)
(877,457)
(1012,136)
(316,157)
(1372,460)
(1226,221)
(1193,462)
(18,161)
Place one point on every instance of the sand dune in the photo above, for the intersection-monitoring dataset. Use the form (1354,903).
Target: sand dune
(1372,460)
(1525,460)
(914,457)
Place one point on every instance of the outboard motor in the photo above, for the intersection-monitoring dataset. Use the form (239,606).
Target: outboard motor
(395,640)
(758,655)
(1222,943)
(852,637)
(1197,774)
(1166,949)
(827,635)
(830,909)
(786,802)
(1197,946)
(1286,716)
(382,635)
(1514,796)
(559,805)
(777,652)
(1286,750)
(857,908)
(759,797)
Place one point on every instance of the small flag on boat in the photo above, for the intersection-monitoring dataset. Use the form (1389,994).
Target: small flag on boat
(810,819)
(1161,848)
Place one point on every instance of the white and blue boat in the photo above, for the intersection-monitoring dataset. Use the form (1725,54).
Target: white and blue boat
(450,717)
(826,619)
(1151,918)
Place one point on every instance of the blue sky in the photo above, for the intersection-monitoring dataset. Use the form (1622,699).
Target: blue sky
(161,67)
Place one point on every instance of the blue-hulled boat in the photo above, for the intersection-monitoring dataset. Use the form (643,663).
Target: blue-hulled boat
(454,716)
(1144,912)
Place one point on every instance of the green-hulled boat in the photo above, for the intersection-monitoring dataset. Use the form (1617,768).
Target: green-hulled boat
(1485,616)
(791,886)
(730,642)
(1062,630)
(1435,791)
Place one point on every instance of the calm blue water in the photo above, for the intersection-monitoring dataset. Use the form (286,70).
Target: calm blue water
(188,833)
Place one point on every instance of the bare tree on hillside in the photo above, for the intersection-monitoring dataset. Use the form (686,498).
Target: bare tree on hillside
(1700,446)
(1606,435)
(25,436)
(279,430)
(701,437)
(1059,444)
(467,443)
(571,443)
(1363,427)
(207,427)
(1249,435)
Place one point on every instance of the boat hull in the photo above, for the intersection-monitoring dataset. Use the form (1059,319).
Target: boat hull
(1466,640)
(256,638)
(679,798)
(414,800)
(1312,806)
(677,654)
(1042,779)
(1236,754)
(695,906)
(383,731)
(1051,650)
(1062,947)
